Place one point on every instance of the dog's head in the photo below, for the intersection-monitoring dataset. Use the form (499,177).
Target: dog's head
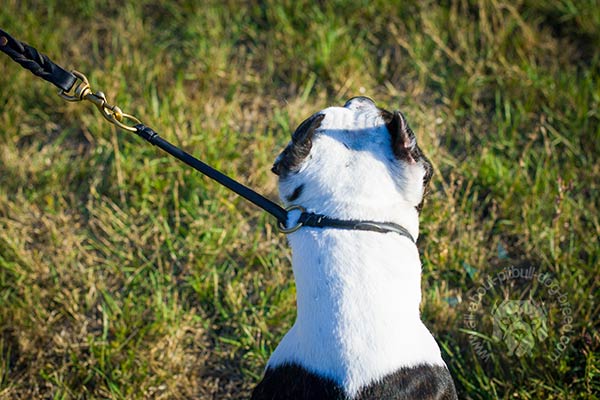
(356,161)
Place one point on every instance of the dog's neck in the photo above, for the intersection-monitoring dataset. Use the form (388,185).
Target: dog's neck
(358,296)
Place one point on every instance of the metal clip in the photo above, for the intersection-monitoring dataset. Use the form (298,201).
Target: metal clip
(294,228)
(81,89)
(111,113)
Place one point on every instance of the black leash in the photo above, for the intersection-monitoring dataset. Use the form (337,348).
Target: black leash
(40,65)
(272,208)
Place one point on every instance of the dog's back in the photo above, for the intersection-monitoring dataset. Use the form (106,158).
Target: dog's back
(358,332)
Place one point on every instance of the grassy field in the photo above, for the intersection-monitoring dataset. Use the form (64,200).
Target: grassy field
(125,275)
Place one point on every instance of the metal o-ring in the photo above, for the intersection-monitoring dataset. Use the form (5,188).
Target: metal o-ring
(294,228)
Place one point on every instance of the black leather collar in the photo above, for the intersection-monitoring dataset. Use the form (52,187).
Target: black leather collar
(322,221)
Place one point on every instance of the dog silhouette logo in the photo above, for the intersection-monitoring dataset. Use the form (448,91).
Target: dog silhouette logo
(519,324)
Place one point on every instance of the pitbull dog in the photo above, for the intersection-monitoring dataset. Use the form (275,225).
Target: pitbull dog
(358,332)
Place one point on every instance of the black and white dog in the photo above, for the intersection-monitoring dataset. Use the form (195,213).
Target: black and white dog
(358,332)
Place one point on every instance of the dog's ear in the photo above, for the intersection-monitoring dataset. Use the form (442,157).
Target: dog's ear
(404,144)
(293,155)
(305,131)
(405,148)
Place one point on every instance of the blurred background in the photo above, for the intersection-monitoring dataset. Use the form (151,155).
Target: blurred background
(125,274)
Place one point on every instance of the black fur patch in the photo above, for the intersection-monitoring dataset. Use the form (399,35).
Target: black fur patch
(292,381)
(295,153)
(295,194)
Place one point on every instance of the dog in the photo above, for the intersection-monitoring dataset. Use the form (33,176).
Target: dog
(358,332)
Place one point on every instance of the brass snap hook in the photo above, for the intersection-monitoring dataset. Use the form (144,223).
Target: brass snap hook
(82,89)
(111,113)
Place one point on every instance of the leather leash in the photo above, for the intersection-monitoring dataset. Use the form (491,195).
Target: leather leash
(40,65)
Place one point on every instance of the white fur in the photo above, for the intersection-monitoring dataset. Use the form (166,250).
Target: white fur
(358,293)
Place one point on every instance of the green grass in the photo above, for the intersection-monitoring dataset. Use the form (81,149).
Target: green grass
(124,274)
